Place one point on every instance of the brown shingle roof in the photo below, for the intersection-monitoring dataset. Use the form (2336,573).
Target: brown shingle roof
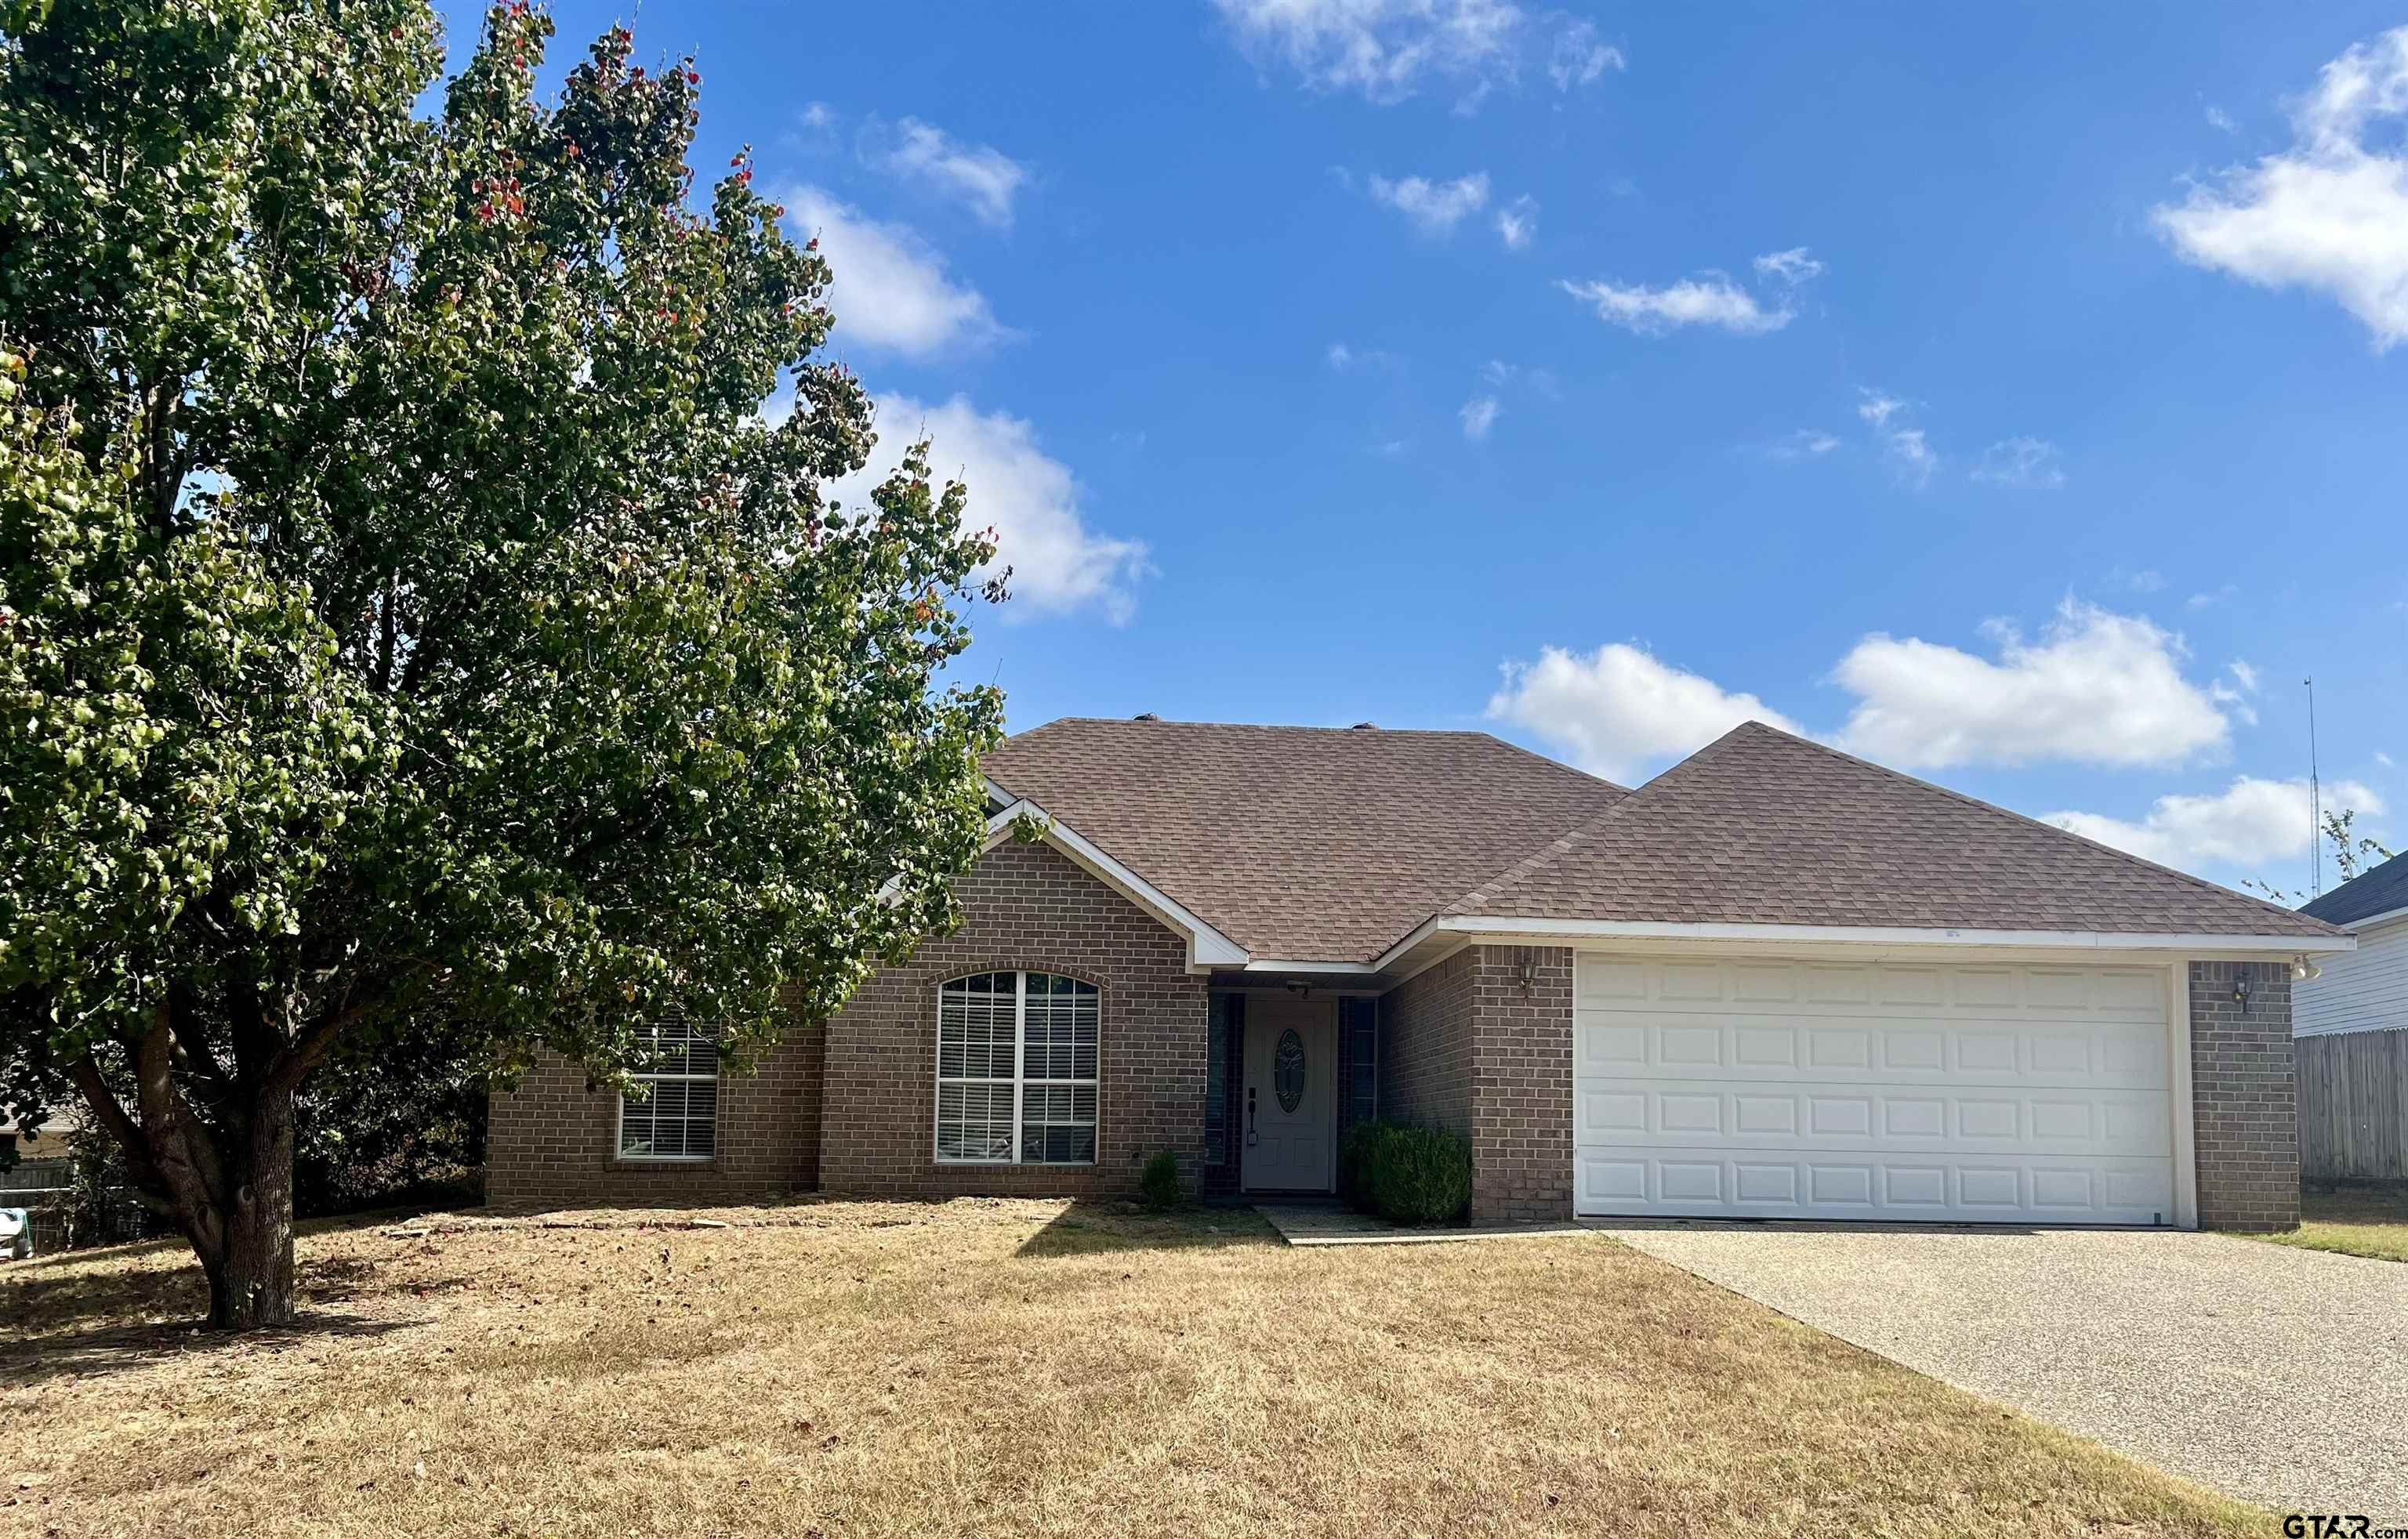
(1301,844)
(1763,828)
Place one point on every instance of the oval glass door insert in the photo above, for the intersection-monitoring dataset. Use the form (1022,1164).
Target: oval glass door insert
(1287,1070)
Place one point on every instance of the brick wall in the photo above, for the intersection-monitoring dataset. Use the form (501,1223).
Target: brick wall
(1425,1047)
(2244,1096)
(1468,1048)
(552,1141)
(1024,907)
(1522,1084)
(850,1107)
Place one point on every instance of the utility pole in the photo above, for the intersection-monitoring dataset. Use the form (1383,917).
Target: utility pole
(2316,800)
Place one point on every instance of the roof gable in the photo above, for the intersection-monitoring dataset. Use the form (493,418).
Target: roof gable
(1760,827)
(1299,844)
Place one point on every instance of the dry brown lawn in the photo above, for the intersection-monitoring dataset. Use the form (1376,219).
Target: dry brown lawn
(2361,1218)
(995,1368)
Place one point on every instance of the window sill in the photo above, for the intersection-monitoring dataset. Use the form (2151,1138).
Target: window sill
(952,1161)
(686,1160)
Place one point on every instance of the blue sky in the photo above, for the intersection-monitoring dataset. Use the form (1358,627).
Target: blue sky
(2010,397)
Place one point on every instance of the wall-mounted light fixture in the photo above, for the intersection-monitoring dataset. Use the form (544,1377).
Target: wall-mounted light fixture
(2241,991)
(2303,969)
(1298,988)
(1530,971)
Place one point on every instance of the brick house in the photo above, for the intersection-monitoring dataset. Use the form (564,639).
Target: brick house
(1775,981)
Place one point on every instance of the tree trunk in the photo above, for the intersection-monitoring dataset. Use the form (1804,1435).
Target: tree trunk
(251,1277)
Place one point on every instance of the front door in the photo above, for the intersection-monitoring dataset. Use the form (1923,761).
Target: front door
(1291,1104)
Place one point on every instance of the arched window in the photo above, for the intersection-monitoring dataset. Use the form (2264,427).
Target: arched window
(1016,1057)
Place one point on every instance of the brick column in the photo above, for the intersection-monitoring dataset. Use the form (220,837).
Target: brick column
(2244,1096)
(1522,1084)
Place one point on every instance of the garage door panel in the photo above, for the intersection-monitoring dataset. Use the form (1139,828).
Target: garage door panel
(1759,1088)
(1861,1116)
(2001,991)
(1648,1044)
(1769,1184)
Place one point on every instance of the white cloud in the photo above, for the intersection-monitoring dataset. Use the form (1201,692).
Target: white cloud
(1058,563)
(1437,207)
(2330,212)
(2234,697)
(2213,597)
(979,175)
(2247,823)
(1386,50)
(890,289)
(1618,709)
(819,115)
(2097,688)
(1793,266)
(1911,454)
(1479,414)
(2030,465)
(1518,223)
(2383,758)
(2147,581)
(1710,299)
(2220,119)
(1578,59)
(1344,358)
(1804,444)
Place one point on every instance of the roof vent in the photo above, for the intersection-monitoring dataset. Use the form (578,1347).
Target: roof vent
(1364,726)
(1145,715)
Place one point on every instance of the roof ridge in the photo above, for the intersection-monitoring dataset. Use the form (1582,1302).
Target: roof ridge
(1995,810)
(1563,844)
(1301,726)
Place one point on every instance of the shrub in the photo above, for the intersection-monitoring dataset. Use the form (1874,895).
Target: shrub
(1406,1174)
(1157,1185)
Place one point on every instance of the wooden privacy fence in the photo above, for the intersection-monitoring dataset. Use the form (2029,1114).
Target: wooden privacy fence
(2354,1105)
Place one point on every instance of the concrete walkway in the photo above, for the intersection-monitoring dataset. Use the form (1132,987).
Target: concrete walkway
(1308,1222)
(2274,1375)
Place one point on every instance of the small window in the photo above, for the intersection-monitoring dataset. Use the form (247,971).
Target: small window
(1016,1056)
(678,1119)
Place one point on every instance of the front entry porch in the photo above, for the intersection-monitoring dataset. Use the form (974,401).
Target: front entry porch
(1291,1069)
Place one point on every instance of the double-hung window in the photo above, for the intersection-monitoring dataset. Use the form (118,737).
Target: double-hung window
(1016,1069)
(678,1119)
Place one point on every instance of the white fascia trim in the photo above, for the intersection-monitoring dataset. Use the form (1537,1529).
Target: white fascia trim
(1206,947)
(1342,969)
(1825,934)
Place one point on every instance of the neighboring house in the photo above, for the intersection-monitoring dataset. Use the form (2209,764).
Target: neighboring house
(1775,981)
(2352,1019)
(2366,990)
(46,1141)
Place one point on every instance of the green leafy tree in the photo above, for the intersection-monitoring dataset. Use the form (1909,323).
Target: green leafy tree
(411,627)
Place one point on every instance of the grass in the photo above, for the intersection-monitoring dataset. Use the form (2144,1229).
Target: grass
(2361,1218)
(996,1367)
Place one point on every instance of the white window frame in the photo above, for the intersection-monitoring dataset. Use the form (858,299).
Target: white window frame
(1019,1081)
(619,1126)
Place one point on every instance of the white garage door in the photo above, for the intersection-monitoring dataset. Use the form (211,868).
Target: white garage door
(1766,1088)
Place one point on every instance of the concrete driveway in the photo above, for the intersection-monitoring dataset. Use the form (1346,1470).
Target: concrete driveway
(2276,1375)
